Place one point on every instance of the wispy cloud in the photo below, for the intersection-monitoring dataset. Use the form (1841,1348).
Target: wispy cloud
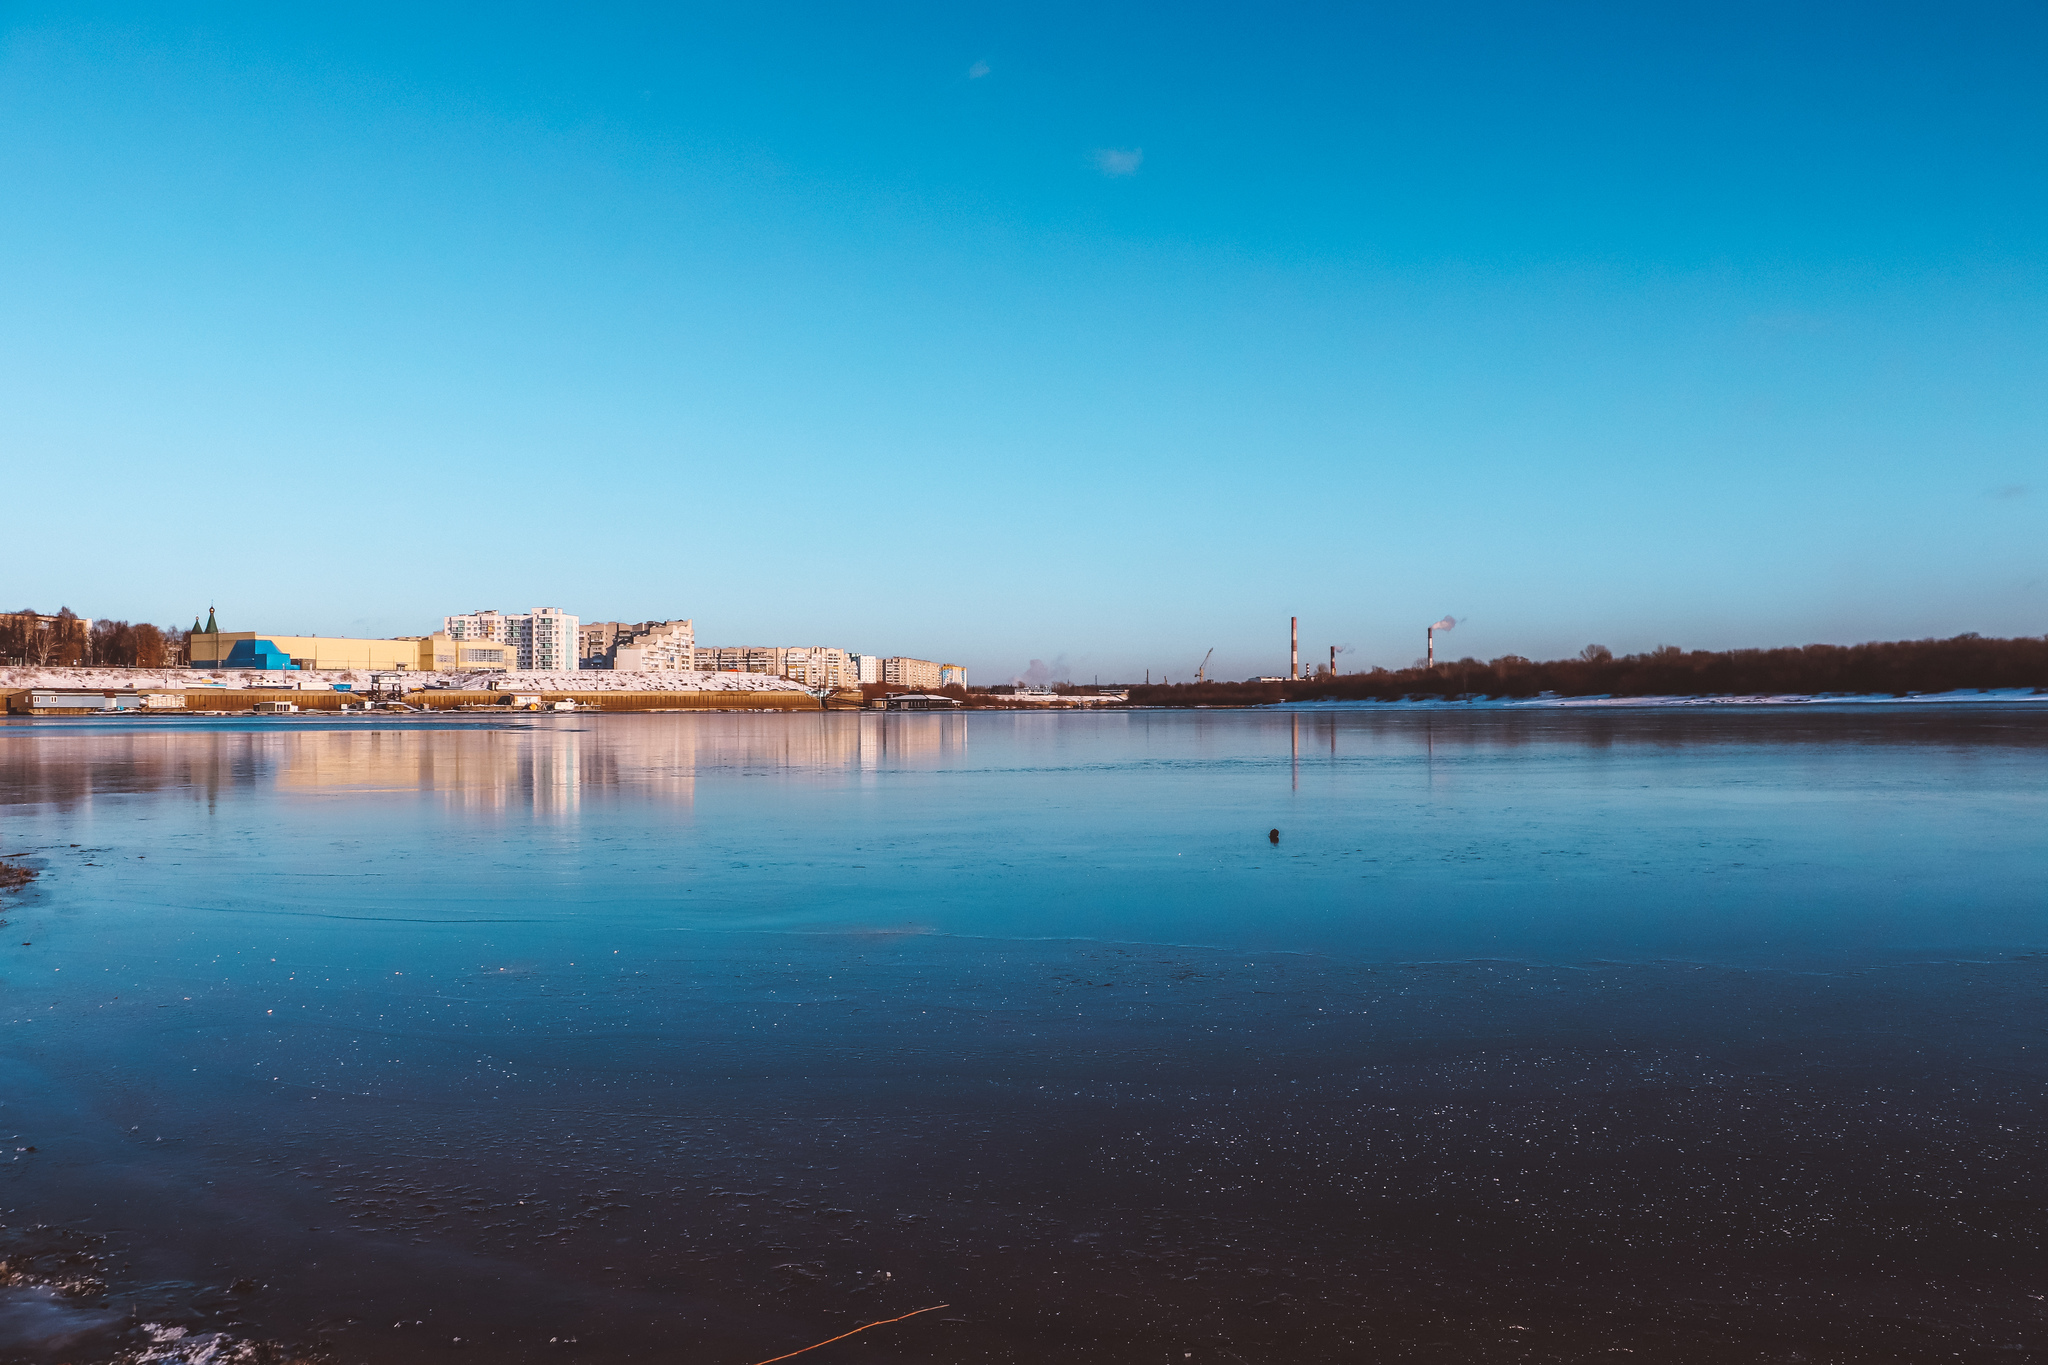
(1119,160)
(977,71)
(2006,492)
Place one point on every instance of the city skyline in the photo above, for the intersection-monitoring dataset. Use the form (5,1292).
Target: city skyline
(1714,328)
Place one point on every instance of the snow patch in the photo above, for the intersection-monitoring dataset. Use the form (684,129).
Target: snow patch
(178,1346)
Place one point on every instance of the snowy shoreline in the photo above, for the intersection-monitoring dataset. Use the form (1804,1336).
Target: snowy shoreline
(590,680)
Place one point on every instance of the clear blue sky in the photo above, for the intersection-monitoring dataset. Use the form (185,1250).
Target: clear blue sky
(992,333)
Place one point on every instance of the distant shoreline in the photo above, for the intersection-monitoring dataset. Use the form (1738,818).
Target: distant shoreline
(1961,667)
(1957,697)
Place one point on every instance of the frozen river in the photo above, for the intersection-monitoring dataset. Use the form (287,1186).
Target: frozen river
(1537,1036)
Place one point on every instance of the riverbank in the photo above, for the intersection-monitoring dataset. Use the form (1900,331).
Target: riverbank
(360,679)
(1958,697)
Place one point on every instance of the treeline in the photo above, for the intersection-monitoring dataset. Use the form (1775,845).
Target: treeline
(1895,667)
(30,638)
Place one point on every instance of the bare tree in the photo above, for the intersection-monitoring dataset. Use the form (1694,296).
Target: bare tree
(37,639)
(150,648)
(69,642)
(15,628)
(111,644)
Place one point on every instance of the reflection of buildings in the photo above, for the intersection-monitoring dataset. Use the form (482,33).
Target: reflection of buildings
(545,768)
(554,769)
(539,769)
(822,742)
(899,738)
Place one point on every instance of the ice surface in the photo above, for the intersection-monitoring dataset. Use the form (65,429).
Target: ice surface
(1543,1036)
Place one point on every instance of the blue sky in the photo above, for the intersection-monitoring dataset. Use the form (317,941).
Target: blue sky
(994,333)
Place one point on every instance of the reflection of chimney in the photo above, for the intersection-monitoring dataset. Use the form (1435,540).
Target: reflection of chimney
(1294,646)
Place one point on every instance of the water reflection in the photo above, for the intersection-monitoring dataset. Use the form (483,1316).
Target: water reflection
(478,770)
(545,765)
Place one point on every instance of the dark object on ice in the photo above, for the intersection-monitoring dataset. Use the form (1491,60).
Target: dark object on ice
(13,875)
(1273,836)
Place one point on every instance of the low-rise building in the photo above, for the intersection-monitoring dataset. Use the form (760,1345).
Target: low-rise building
(423,653)
(445,653)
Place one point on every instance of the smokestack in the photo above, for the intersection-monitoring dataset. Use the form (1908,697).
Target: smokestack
(1294,646)
(1447,623)
(1333,663)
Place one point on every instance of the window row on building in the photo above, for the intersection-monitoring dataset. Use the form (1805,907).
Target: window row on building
(921,673)
(638,647)
(543,640)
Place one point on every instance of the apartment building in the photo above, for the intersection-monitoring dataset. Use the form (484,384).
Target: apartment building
(821,666)
(811,665)
(869,667)
(952,674)
(543,640)
(918,673)
(638,647)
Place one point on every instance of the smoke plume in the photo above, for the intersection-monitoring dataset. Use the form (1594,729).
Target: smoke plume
(1446,623)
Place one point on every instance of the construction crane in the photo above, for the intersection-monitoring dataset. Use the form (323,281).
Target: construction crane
(1201,672)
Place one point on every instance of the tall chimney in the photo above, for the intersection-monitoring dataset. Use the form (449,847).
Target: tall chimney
(1294,646)
(1333,663)
(1432,646)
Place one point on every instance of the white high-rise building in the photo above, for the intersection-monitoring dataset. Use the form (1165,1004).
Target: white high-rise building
(543,640)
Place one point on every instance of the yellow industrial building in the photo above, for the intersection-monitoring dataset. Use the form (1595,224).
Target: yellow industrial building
(425,653)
